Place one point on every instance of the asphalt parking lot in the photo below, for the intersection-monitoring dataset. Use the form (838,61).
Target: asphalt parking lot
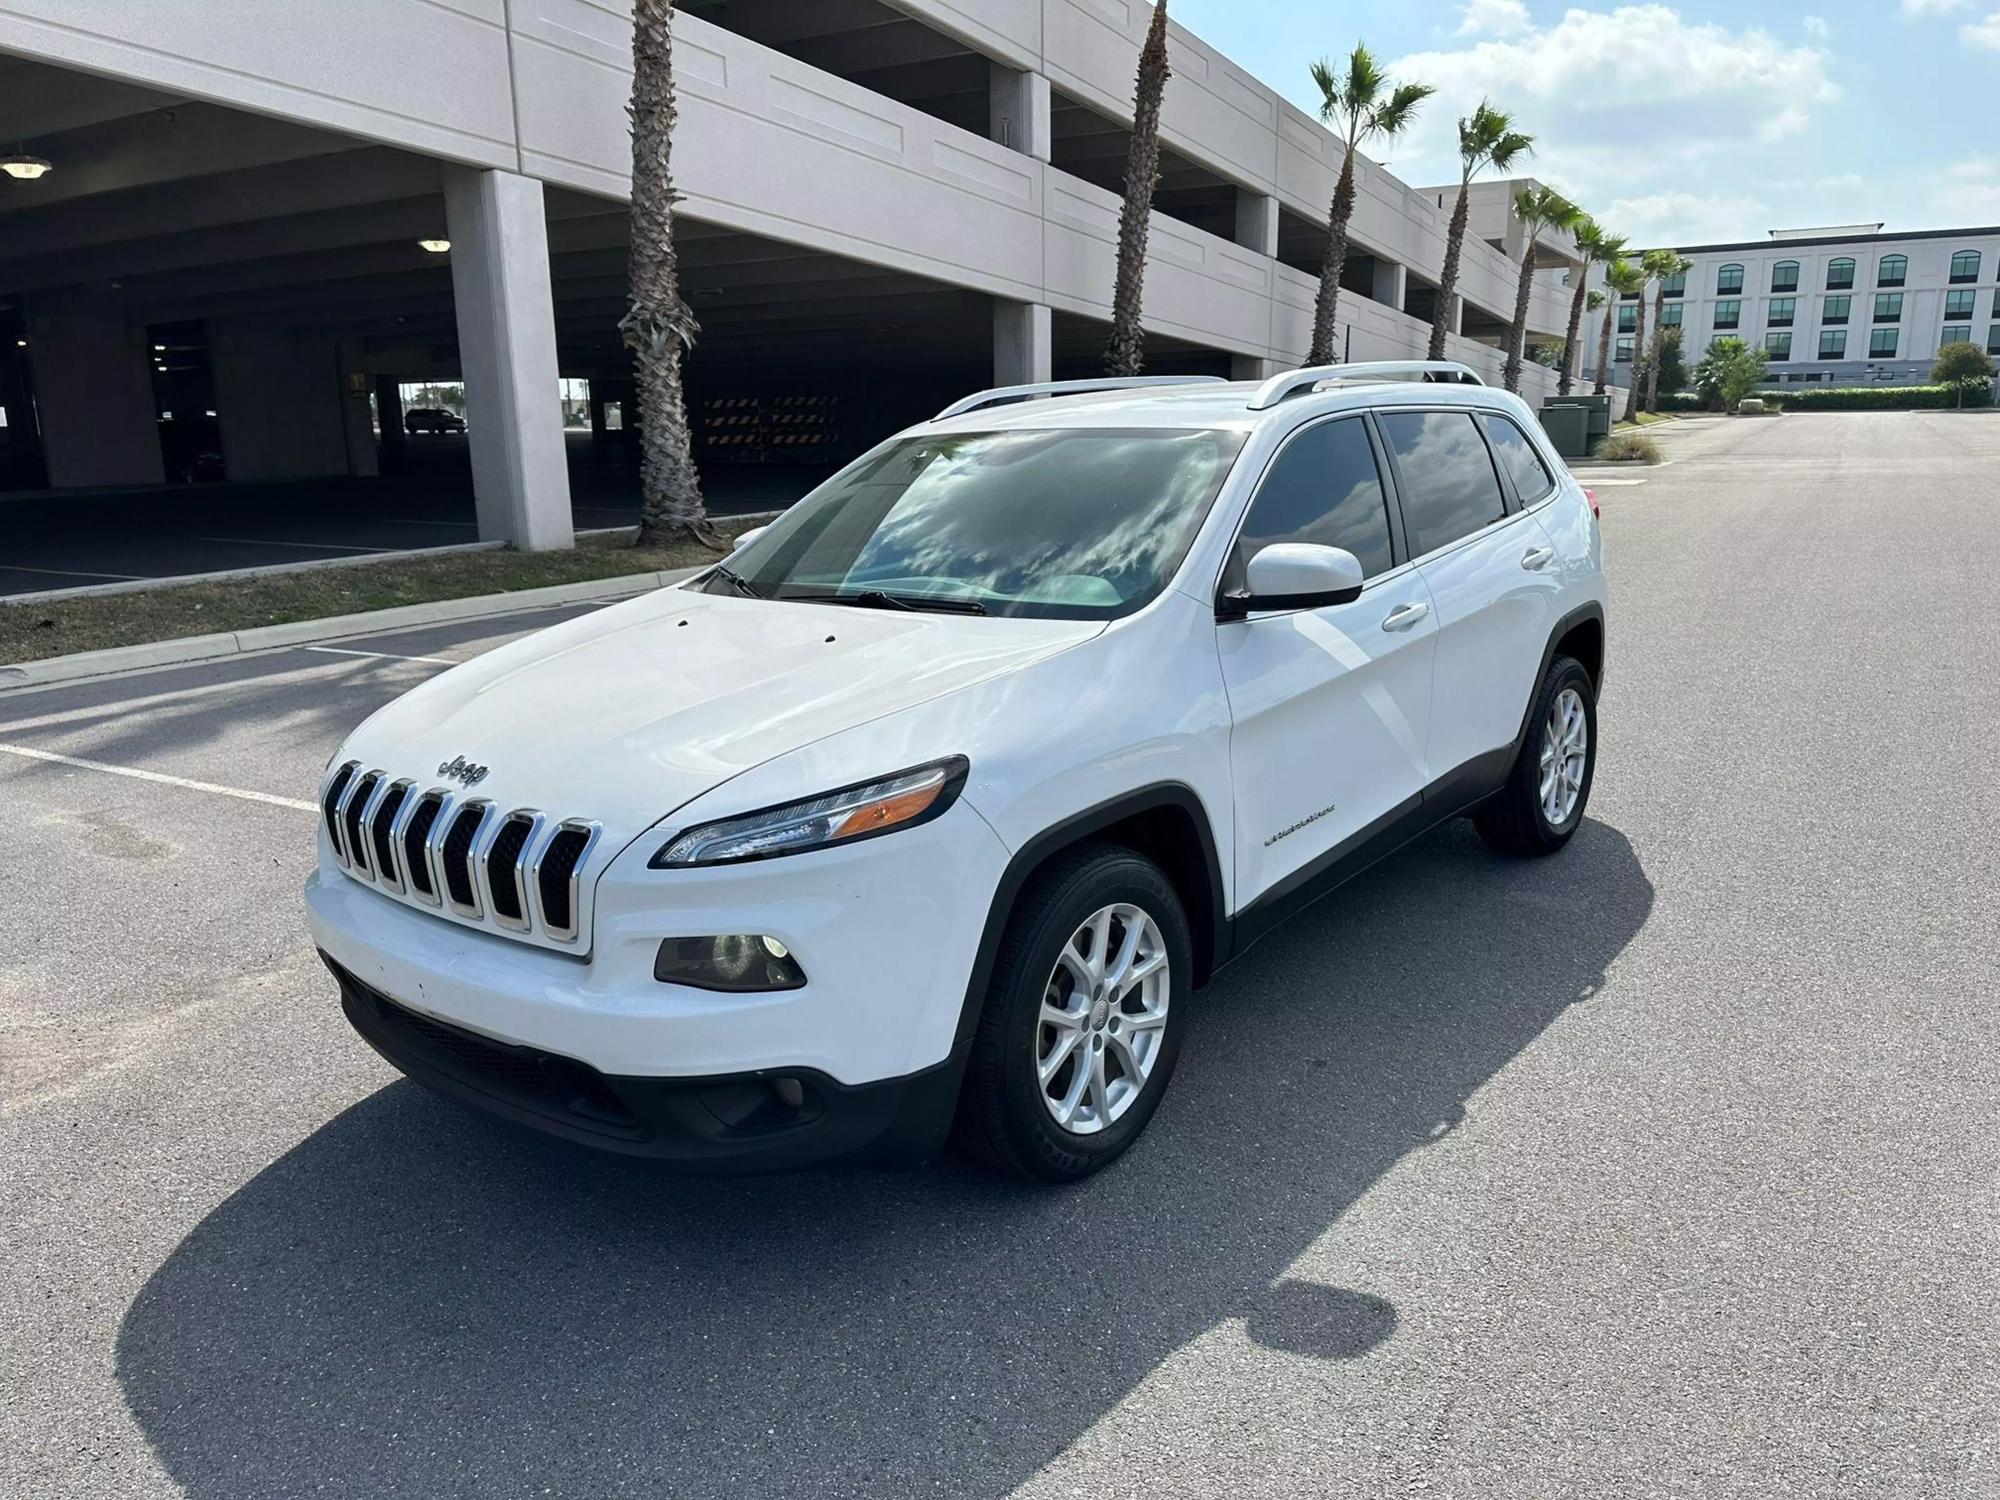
(1665,1167)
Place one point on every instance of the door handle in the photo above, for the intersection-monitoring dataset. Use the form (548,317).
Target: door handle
(1538,558)
(1403,616)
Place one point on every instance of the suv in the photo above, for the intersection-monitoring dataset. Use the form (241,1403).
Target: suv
(433,419)
(936,801)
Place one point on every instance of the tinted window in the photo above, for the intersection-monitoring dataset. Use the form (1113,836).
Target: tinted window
(1445,476)
(1323,488)
(1084,523)
(1523,464)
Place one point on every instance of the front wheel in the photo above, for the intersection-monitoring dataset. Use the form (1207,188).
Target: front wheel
(1083,1018)
(1541,807)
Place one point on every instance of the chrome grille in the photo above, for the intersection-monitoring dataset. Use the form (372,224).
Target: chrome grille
(516,870)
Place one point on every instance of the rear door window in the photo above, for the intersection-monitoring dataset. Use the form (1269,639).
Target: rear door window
(1322,488)
(1532,480)
(1444,476)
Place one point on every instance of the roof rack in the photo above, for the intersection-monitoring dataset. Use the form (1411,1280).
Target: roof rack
(1293,382)
(1005,393)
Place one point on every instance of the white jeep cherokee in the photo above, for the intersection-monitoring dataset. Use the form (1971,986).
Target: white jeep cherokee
(939,798)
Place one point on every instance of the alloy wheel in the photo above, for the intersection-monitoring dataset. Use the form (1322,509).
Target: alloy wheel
(1103,1019)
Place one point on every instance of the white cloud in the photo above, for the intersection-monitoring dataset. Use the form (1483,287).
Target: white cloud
(1842,182)
(1932,7)
(1815,26)
(1494,18)
(1678,218)
(1628,106)
(1984,33)
(1972,195)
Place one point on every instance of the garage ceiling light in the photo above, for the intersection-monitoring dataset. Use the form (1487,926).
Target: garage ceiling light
(26,167)
(436,247)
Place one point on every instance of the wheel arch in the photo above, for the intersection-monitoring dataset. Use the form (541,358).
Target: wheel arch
(1169,824)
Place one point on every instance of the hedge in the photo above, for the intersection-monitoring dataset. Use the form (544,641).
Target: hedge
(1880,398)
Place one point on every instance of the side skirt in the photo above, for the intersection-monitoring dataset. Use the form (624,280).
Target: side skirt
(1441,801)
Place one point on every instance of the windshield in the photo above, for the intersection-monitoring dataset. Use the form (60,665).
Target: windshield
(1079,523)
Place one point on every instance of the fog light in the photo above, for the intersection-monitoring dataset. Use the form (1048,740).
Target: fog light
(739,963)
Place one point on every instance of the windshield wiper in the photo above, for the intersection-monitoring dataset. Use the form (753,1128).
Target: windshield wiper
(736,581)
(878,599)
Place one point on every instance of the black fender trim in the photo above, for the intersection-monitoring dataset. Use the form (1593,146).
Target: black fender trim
(1074,830)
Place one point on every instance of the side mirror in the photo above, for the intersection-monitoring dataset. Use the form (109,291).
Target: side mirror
(748,537)
(1295,575)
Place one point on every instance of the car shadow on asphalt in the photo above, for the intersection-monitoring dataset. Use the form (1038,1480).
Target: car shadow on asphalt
(416,1301)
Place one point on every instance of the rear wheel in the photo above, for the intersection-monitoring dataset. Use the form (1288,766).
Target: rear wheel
(1083,1018)
(1541,807)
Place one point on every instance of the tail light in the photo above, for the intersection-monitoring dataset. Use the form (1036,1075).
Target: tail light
(1595,508)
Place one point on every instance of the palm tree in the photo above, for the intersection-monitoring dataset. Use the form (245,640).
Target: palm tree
(1595,246)
(1126,352)
(1662,265)
(1645,268)
(1364,105)
(657,326)
(1486,138)
(1537,208)
(1626,280)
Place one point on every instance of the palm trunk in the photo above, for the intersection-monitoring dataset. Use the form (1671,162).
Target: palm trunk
(1638,343)
(1126,353)
(1517,340)
(1604,340)
(1659,348)
(657,326)
(1335,262)
(1454,246)
(1570,350)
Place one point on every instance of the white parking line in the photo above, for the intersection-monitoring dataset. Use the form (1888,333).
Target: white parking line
(264,541)
(155,776)
(67,572)
(439,661)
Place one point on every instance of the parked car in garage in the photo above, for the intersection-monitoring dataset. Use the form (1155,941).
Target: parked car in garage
(432,419)
(935,801)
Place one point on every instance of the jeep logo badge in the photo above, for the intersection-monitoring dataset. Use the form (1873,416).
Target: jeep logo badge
(462,771)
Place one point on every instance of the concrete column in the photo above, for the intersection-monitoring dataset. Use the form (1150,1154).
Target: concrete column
(389,412)
(280,403)
(363,457)
(1455,319)
(507,353)
(94,392)
(1023,343)
(1252,367)
(1390,282)
(1257,221)
(1019,111)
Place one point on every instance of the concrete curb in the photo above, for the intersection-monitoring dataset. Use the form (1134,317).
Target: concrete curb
(199,648)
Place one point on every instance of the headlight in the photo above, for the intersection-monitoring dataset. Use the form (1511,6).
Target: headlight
(842,817)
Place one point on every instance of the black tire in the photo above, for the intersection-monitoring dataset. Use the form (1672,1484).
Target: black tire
(1003,1120)
(1513,820)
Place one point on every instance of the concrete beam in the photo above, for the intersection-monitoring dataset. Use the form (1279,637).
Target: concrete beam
(507,345)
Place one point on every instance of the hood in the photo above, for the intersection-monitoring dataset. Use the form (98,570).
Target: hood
(625,714)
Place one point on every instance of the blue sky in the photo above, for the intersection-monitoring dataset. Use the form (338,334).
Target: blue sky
(1684,121)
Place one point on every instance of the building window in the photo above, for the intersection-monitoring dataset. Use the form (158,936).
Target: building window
(1956,335)
(1785,276)
(1777,347)
(1993,339)
(1676,285)
(1959,304)
(1728,314)
(1839,274)
(1965,266)
(1623,354)
(1728,279)
(1628,319)
(1813,377)
(1833,344)
(1888,307)
(1783,309)
(1672,313)
(1836,309)
(1882,344)
(1891,269)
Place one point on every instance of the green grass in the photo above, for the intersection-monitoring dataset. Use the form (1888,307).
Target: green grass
(1644,419)
(32,632)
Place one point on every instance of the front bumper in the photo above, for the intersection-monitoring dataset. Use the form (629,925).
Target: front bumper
(744,1122)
